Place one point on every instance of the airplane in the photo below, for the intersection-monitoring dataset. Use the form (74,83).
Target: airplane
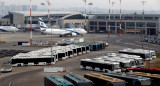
(61,32)
(8,29)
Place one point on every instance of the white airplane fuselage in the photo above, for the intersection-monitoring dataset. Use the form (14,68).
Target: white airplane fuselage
(8,29)
(63,31)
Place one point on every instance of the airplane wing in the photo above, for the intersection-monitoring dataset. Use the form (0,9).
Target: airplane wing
(69,32)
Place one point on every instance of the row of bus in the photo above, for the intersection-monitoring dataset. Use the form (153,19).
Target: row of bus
(113,62)
(106,79)
(47,56)
(144,54)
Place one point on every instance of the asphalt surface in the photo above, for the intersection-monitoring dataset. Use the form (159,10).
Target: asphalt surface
(34,75)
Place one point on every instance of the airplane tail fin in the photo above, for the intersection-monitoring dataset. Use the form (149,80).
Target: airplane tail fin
(43,26)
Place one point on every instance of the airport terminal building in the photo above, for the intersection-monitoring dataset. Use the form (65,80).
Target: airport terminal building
(21,19)
(142,23)
(98,23)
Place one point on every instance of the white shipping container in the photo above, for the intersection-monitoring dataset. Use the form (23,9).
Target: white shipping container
(54,69)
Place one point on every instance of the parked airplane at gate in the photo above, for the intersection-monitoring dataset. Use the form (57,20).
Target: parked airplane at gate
(62,32)
(8,29)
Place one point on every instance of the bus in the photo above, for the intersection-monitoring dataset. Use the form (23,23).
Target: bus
(78,80)
(54,80)
(100,65)
(130,79)
(102,80)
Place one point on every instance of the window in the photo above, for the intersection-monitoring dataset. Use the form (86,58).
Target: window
(118,24)
(140,24)
(148,18)
(0,22)
(102,23)
(53,22)
(112,23)
(128,18)
(156,18)
(130,24)
(93,23)
(92,29)
(100,17)
(139,18)
(150,24)
(117,17)
(79,16)
(111,17)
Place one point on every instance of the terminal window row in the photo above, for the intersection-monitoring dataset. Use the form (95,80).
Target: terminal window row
(127,18)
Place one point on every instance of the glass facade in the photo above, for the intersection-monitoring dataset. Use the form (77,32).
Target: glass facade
(141,22)
(93,23)
(128,18)
(130,23)
(100,17)
(150,24)
(102,23)
(148,18)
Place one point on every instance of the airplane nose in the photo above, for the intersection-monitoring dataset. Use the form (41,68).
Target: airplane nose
(16,29)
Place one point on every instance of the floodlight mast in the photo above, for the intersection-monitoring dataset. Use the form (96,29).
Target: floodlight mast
(85,26)
(43,5)
(49,4)
(90,4)
(109,27)
(143,3)
(30,22)
(112,6)
(120,29)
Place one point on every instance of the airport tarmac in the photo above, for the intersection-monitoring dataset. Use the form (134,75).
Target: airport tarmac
(34,75)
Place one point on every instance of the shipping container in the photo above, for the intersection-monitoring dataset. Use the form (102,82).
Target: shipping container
(131,80)
(78,80)
(102,80)
(54,80)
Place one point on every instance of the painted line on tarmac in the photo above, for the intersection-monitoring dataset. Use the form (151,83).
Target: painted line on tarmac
(10,83)
(118,40)
(135,45)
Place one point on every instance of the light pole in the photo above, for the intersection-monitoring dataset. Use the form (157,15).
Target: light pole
(90,4)
(143,3)
(120,29)
(43,5)
(30,23)
(85,26)
(109,27)
(49,4)
(112,6)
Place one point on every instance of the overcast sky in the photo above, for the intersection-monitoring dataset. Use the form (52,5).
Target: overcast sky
(126,4)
